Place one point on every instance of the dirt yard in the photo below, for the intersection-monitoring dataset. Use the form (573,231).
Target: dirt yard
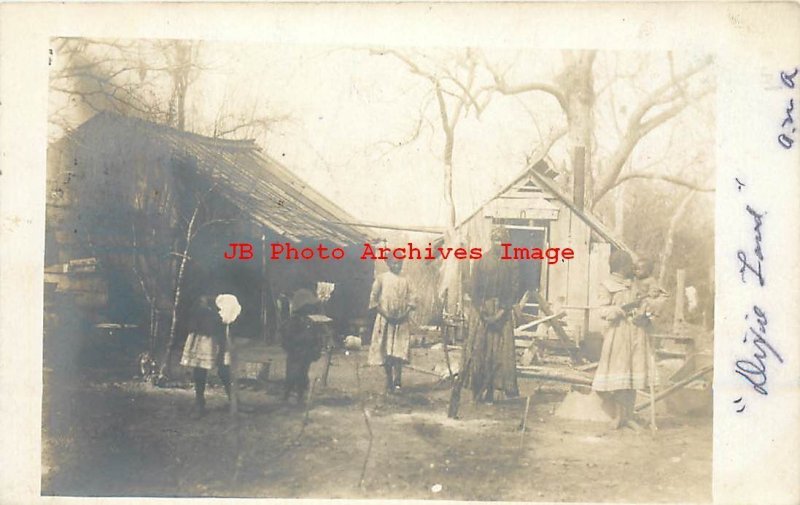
(106,435)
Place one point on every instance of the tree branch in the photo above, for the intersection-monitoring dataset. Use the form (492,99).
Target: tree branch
(256,122)
(540,151)
(661,177)
(638,127)
(504,88)
(413,67)
(668,91)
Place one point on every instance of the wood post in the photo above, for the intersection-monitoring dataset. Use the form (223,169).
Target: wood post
(458,384)
(234,402)
(269,317)
(328,361)
(234,373)
(463,372)
(680,285)
(264,330)
(524,421)
(445,343)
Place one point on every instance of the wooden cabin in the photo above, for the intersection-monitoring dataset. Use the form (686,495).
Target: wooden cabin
(538,214)
(126,195)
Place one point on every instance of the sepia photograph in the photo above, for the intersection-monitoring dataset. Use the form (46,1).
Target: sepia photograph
(378,272)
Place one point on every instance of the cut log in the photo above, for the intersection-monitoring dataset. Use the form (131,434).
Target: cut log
(554,374)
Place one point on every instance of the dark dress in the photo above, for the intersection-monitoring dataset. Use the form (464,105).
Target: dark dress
(205,344)
(303,342)
(493,357)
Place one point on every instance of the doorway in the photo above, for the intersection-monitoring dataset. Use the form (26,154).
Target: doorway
(532,274)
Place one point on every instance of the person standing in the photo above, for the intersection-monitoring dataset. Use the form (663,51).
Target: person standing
(624,364)
(302,339)
(392,299)
(205,350)
(492,365)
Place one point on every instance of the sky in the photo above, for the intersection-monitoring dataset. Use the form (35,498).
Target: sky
(346,116)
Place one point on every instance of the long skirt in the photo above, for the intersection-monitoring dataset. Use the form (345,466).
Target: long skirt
(389,340)
(297,367)
(624,360)
(493,357)
(203,351)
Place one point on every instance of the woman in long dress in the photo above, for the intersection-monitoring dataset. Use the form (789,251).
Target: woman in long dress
(624,359)
(393,301)
(492,366)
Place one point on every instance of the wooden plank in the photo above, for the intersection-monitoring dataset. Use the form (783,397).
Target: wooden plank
(675,387)
(538,321)
(552,374)
(578,282)
(599,272)
(558,328)
(587,367)
(558,369)
(558,275)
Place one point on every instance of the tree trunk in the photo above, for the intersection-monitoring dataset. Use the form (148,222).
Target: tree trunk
(180,81)
(619,212)
(451,277)
(165,366)
(578,86)
(669,242)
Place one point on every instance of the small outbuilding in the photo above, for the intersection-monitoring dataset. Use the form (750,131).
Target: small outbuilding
(538,214)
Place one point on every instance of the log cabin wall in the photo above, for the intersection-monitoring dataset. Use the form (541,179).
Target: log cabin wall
(122,190)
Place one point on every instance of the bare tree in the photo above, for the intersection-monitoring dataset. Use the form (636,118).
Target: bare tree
(141,78)
(255,123)
(669,241)
(182,68)
(456,91)
(574,90)
(467,82)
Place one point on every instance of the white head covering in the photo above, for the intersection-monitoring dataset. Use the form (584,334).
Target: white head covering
(229,308)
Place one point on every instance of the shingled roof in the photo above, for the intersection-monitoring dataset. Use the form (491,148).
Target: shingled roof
(256,183)
(539,175)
